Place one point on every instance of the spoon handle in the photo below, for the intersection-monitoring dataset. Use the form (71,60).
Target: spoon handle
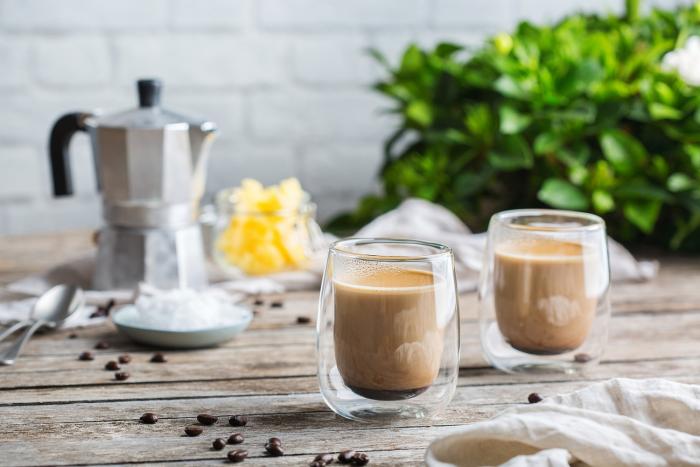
(14,328)
(9,357)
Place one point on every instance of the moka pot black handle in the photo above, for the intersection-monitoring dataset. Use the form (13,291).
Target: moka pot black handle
(59,141)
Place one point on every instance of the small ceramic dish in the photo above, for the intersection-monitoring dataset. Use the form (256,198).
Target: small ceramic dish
(125,319)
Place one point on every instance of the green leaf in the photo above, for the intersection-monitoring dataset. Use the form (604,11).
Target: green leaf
(562,194)
(379,58)
(412,61)
(680,182)
(420,113)
(642,214)
(639,189)
(693,152)
(547,142)
(603,202)
(623,151)
(664,112)
(512,153)
(508,86)
(512,121)
(578,174)
(447,49)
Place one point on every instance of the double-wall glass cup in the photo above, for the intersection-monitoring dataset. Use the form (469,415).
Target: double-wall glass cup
(388,329)
(543,293)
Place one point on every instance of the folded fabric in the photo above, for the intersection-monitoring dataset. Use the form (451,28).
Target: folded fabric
(620,422)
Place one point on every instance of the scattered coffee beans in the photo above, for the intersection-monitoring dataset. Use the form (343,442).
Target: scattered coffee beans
(112,366)
(158,358)
(121,375)
(102,345)
(193,430)
(85,356)
(126,358)
(582,358)
(303,320)
(206,419)
(149,418)
(258,302)
(235,438)
(275,450)
(534,398)
(218,444)
(276,305)
(237,455)
(345,457)
(360,458)
(324,458)
(238,420)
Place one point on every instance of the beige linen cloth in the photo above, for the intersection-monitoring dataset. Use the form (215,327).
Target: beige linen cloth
(620,422)
(414,218)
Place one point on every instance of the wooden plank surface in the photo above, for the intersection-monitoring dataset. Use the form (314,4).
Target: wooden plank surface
(57,410)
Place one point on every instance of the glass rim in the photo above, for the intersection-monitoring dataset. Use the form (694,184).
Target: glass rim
(337,248)
(594,222)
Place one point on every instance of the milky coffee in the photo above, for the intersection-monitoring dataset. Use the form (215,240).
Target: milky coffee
(543,294)
(388,342)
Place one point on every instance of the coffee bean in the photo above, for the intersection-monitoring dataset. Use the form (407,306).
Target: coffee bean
(86,356)
(534,398)
(237,455)
(276,441)
(72,335)
(582,358)
(149,418)
(206,419)
(193,430)
(158,358)
(360,458)
(112,366)
(325,458)
(303,320)
(258,302)
(121,375)
(345,457)
(102,345)
(276,304)
(98,313)
(126,358)
(238,420)
(275,450)
(235,438)
(218,444)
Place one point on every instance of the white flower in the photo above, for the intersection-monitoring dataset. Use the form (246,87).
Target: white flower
(685,61)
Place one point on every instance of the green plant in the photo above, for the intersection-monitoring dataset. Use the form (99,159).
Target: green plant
(578,115)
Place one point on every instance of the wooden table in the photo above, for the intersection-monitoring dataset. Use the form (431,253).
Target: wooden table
(56,410)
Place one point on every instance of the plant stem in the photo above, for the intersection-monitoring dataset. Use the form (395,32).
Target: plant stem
(632,10)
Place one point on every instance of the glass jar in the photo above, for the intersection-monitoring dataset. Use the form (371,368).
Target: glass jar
(264,242)
(543,293)
(388,329)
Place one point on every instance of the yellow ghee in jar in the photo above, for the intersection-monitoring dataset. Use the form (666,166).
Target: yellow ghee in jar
(266,232)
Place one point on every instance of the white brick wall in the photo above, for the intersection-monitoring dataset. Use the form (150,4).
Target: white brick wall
(286,81)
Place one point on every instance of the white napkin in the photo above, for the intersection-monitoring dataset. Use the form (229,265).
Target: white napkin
(620,422)
(414,218)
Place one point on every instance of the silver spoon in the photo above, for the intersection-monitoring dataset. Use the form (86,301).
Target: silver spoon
(50,310)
